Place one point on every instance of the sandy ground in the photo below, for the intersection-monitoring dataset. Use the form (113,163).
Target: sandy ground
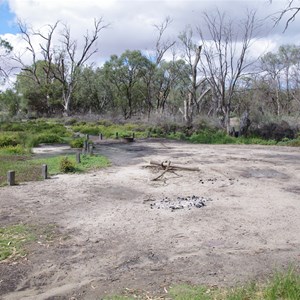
(108,238)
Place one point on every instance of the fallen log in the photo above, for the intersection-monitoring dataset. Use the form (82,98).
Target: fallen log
(167,165)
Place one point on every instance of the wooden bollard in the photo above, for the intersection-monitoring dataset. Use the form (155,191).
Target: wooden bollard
(11,178)
(78,158)
(45,171)
(85,147)
(90,147)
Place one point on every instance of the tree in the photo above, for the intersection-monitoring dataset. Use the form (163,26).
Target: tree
(63,61)
(291,10)
(41,92)
(280,71)
(224,58)
(5,50)
(125,73)
(150,77)
(192,53)
(9,102)
(92,93)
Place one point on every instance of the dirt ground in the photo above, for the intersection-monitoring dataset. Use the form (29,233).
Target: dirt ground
(108,238)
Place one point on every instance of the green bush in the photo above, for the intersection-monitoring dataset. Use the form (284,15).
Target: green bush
(9,139)
(18,149)
(66,166)
(77,143)
(212,137)
(43,138)
(12,127)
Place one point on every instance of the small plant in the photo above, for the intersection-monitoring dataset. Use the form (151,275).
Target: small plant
(66,166)
(18,149)
(77,142)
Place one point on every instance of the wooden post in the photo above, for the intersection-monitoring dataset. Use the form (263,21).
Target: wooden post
(85,147)
(11,177)
(45,171)
(117,135)
(78,158)
(90,147)
(100,136)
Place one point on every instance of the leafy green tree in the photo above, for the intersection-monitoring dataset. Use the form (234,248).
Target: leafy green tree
(93,93)
(280,71)
(125,75)
(5,50)
(9,102)
(41,93)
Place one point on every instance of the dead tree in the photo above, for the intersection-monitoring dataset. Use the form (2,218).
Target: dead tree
(192,55)
(61,61)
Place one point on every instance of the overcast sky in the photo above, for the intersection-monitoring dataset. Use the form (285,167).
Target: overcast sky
(131,21)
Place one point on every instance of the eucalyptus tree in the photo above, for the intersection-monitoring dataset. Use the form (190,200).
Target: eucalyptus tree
(5,50)
(225,46)
(125,74)
(41,96)
(63,59)
(281,71)
(92,93)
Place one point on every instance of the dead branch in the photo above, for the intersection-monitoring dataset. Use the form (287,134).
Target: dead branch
(167,164)
(165,171)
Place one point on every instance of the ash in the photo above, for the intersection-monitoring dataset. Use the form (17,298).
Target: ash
(180,203)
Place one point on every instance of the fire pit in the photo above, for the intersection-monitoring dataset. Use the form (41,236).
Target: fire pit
(188,202)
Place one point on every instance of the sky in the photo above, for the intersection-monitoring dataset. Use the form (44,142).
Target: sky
(131,22)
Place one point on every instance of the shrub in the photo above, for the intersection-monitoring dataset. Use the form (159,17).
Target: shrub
(275,131)
(46,138)
(66,166)
(77,143)
(18,149)
(9,139)
(12,127)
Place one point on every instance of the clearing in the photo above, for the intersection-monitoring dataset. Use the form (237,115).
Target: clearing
(113,231)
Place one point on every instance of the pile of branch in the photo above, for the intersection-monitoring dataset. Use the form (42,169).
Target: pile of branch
(168,166)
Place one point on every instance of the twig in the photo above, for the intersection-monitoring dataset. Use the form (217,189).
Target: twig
(165,171)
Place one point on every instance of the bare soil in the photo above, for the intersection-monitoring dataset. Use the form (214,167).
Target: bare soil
(108,238)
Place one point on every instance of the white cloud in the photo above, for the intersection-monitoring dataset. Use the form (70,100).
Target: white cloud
(131,21)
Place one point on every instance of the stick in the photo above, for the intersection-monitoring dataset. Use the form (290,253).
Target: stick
(163,164)
(165,171)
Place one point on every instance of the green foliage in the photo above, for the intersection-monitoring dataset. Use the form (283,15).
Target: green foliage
(18,149)
(10,139)
(291,143)
(77,142)
(66,165)
(43,138)
(110,131)
(211,137)
(12,126)
(284,286)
